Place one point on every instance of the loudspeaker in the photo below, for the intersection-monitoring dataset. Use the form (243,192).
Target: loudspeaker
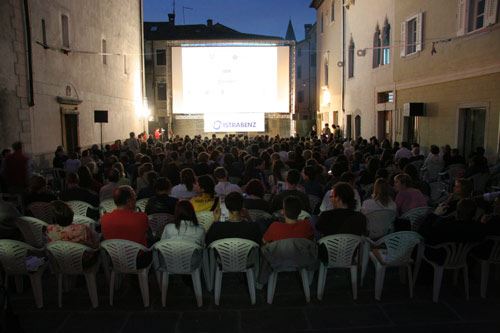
(414,109)
(100,116)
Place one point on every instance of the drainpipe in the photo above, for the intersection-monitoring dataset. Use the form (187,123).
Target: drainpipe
(344,64)
(27,31)
(143,74)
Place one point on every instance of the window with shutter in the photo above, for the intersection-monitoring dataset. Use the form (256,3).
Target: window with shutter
(386,43)
(412,35)
(376,48)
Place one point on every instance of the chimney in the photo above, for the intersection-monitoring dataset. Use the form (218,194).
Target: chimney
(210,23)
(171,18)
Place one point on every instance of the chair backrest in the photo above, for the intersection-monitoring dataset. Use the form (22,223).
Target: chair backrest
(495,250)
(314,201)
(157,222)
(67,256)
(399,246)
(416,216)
(78,219)
(79,207)
(141,204)
(380,222)
(259,215)
(341,249)
(205,219)
(233,253)
(178,255)
(42,211)
(13,256)
(304,215)
(107,206)
(32,230)
(456,253)
(123,254)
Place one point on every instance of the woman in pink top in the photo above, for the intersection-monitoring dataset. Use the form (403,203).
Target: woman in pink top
(407,197)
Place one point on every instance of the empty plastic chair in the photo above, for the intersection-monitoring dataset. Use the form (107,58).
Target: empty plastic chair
(393,250)
(416,216)
(341,251)
(68,259)
(232,255)
(13,255)
(123,255)
(205,219)
(80,207)
(179,257)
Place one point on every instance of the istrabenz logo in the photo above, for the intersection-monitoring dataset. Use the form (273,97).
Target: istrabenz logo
(217,124)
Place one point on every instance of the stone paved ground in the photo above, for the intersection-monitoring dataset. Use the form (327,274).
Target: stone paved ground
(289,313)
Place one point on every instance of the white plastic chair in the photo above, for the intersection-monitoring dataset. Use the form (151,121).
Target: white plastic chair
(78,219)
(493,258)
(455,259)
(157,223)
(107,206)
(123,254)
(13,259)
(67,258)
(32,230)
(380,222)
(397,253)
(231,255)
(205,219)
(141,204)
(341,249)
(416,216)
(258,215)
(178,258)
(41,211)
(80,207)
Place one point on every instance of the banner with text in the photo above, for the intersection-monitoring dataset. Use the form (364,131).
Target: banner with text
(234,122)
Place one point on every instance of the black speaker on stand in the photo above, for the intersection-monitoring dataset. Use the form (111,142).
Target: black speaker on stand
(101,116)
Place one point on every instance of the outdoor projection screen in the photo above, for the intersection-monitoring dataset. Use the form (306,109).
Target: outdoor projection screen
(230,79)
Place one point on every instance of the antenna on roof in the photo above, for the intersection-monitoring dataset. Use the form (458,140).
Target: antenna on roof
(183,16)
(173,7)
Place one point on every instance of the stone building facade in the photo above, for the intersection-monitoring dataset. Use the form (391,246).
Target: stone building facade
(63,59)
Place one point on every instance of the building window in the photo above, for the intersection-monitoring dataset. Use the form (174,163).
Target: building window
(476,15)
(299,72)
(162,91)
(65,30)
(299,52)
(385,97)
(300,97)
(332,11)
(125,69)
(351,59)
(386,43)
(326,72)
(322,23)
(313,59)
(411,35)
(376,48)
(44,33)
(161,59)
(104,52)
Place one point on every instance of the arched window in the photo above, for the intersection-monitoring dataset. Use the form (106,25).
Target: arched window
(325,68)
(351,59)
(376,47)
(386,43)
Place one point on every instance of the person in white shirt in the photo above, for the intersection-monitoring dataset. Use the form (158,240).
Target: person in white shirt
(187,188)
(224,187)
(381,198)
(403,152)
(186,226)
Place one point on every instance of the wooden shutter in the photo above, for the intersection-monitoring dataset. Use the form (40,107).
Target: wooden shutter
(402,47)
(461,17)
(491,12)
(420,30)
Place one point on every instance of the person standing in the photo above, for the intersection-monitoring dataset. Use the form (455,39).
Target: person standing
(326,131)
(16,169)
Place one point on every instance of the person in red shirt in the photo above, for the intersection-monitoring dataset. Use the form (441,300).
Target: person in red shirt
(124,222)
(292,228)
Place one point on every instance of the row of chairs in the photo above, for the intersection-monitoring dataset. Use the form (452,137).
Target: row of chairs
(237,255)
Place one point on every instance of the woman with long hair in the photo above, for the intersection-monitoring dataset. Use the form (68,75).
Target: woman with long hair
(186,188)
(381,198)
(185,226)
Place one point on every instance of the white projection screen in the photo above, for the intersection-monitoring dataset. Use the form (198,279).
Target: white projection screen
(230,79)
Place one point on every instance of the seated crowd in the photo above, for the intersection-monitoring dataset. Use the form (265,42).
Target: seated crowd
(309,188)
